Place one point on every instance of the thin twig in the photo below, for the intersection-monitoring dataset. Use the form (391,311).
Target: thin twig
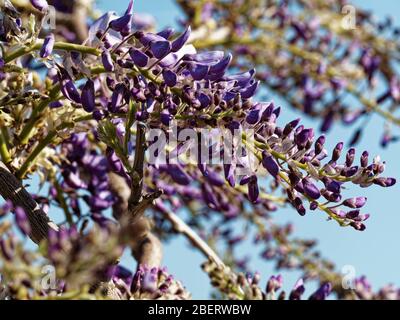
(180,226)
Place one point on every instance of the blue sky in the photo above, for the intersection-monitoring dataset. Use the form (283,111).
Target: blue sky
(373,252)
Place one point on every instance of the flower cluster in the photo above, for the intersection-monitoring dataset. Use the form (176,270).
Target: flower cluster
(241,287)
(84,170)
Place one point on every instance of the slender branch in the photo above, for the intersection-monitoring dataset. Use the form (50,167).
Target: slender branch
(21,51)
(138,163)
(12,189)
(181,227)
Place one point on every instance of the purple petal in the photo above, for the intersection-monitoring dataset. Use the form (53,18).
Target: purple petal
(179,42)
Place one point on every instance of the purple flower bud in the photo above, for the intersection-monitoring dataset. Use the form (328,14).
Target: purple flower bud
(274,283)
(199,71)
(322,293)
(160,48)
(298,290)
(253,190)
(337,151)
(303,137)
(179,42)
(165,117)
(313,205)
(364,159)
(248,92)
(178,174)
(350,157)
(107,61)
(355,203)
(22,220)
(166,34)
(319,144)
(331,185)
(221,66)
(88,96)
(311,189)
(69,90)
(298,204)
(270,164)
(48,46)
(229,174)
(55,104)
(385,182)
(254,116)
(40,5)
(353,214)
(170,78)
(290,126)
(204,99)
(139,58)
(214,178)
(117,98)
(121,23)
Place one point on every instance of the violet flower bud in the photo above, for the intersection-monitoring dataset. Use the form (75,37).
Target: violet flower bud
(40,5)
(270,164)
(364,159)
(274,283)
(107,61)
(253,190)
(139,58)
(179,42)
(248,92)
(170,78)
(322,293)
(350,157)
(121,23)
(337,151)
(68,89)
(385,182)
(48,46)
(88,96)
(298,290)
(311,189)
(355,203)
(160,48)
(221,66)
(178,174)
(319,144)
(290,126)
(199,71)
(166,34)
(117,98)
(303,137)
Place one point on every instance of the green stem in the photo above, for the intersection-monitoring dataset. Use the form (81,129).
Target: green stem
(27,130)
(45,142)
(5,154)
(21,51)
(53,96)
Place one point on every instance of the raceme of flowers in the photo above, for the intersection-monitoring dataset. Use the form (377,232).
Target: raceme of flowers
(314,58)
